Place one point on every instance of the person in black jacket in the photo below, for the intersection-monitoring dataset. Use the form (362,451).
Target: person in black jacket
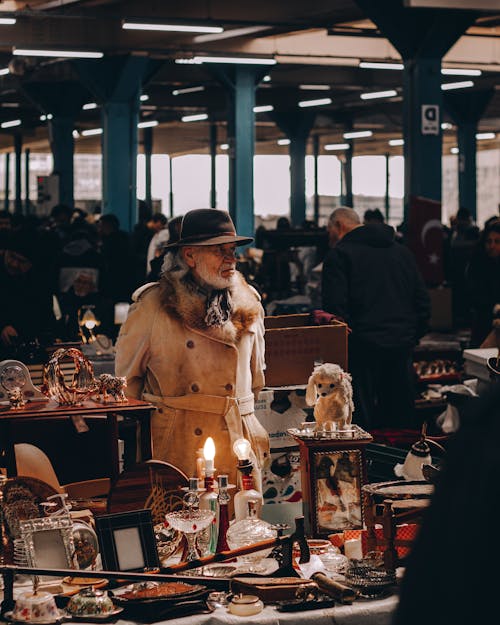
(374,284)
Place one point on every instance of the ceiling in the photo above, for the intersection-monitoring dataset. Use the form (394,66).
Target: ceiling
(317,43)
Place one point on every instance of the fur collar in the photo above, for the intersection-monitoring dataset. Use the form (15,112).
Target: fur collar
(179,298)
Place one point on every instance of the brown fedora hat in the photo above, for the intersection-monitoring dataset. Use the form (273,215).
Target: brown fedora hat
(208,226)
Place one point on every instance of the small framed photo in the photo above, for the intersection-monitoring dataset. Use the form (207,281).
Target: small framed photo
(127,541)
(337,498)
(49,542)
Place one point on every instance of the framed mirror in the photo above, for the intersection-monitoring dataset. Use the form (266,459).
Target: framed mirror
(49,542)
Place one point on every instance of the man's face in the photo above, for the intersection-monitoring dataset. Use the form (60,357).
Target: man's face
(493,245)
(214,264)
(16,264)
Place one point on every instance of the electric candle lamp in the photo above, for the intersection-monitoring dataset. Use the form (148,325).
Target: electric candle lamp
(209,455)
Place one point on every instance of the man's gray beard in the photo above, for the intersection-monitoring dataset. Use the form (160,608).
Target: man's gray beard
(214,280)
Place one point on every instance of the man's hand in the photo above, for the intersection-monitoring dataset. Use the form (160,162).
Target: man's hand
(7,334)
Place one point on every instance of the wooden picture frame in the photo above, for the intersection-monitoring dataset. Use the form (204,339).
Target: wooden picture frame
(337,479)
(49,542)
(127,541)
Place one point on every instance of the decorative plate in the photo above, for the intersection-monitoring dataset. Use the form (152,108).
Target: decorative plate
(94,618)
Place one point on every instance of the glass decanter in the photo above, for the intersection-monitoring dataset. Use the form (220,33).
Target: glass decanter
(249,531)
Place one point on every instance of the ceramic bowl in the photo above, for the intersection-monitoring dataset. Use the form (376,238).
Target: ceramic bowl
(39,607)
(90,602)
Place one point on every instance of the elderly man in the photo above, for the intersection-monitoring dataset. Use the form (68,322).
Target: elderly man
(374,284)
(193,344)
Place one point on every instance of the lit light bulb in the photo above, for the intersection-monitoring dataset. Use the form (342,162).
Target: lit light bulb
(209,455)
(241,448)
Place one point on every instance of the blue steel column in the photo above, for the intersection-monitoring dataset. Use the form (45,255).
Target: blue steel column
(27,181)
(62,145)
(18,147)
(63,100)
(348,195)
(119,160)
(422,37)
(117,82)
(171,185)
(213,171)
(316,193)
(422,152)
(240,82)
(466,109)
(7,181)
(297,126)
(387,202)
(147,142)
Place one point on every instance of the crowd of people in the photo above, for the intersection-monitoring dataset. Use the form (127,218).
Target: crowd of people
(53,268)
(89,261)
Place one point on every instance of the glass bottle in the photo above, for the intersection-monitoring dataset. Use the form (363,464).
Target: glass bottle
(246,494)
(223,514)
(207,540)
(248,531)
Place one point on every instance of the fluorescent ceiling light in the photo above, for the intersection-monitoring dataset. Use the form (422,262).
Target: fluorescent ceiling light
(148,124)
(358,134)
(4,71)
(144,97)
(11,105)
(76,54)
(75,134)
(89,106)
(172,28)
(368,65)
(248,60)
(43,118)
(11,124)
(337,146)
(263,109)
(266,78)
(485,135)
(395,142)
(91,131)
(7,21)
(224,146)
(446,126)
(315,87)
(460,72)
(283,142)
(457,85)
(318,102)
(188,90)
(194,118)
(390,93)
(454,150)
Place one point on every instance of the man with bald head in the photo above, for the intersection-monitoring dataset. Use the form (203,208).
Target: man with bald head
(373,283)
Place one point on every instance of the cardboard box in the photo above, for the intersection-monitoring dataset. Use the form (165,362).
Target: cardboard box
(280,409)
(293,347)
(475,362)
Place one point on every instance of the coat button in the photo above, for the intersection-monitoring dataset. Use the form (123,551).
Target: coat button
(160,410)
(190,344)
(195,388)
(198,431)
(229,387)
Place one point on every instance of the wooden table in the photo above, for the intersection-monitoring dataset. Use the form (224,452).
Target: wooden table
(34,411)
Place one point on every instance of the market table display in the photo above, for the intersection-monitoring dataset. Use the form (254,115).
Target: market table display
(51,410)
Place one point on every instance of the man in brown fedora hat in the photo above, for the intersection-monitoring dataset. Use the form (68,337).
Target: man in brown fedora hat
(193,344)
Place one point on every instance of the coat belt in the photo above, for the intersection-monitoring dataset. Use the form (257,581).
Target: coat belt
(215,404)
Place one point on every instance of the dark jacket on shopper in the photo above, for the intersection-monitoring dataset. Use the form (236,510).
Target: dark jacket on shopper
(374,284)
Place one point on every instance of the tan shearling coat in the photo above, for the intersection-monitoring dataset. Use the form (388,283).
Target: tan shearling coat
(203,380)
